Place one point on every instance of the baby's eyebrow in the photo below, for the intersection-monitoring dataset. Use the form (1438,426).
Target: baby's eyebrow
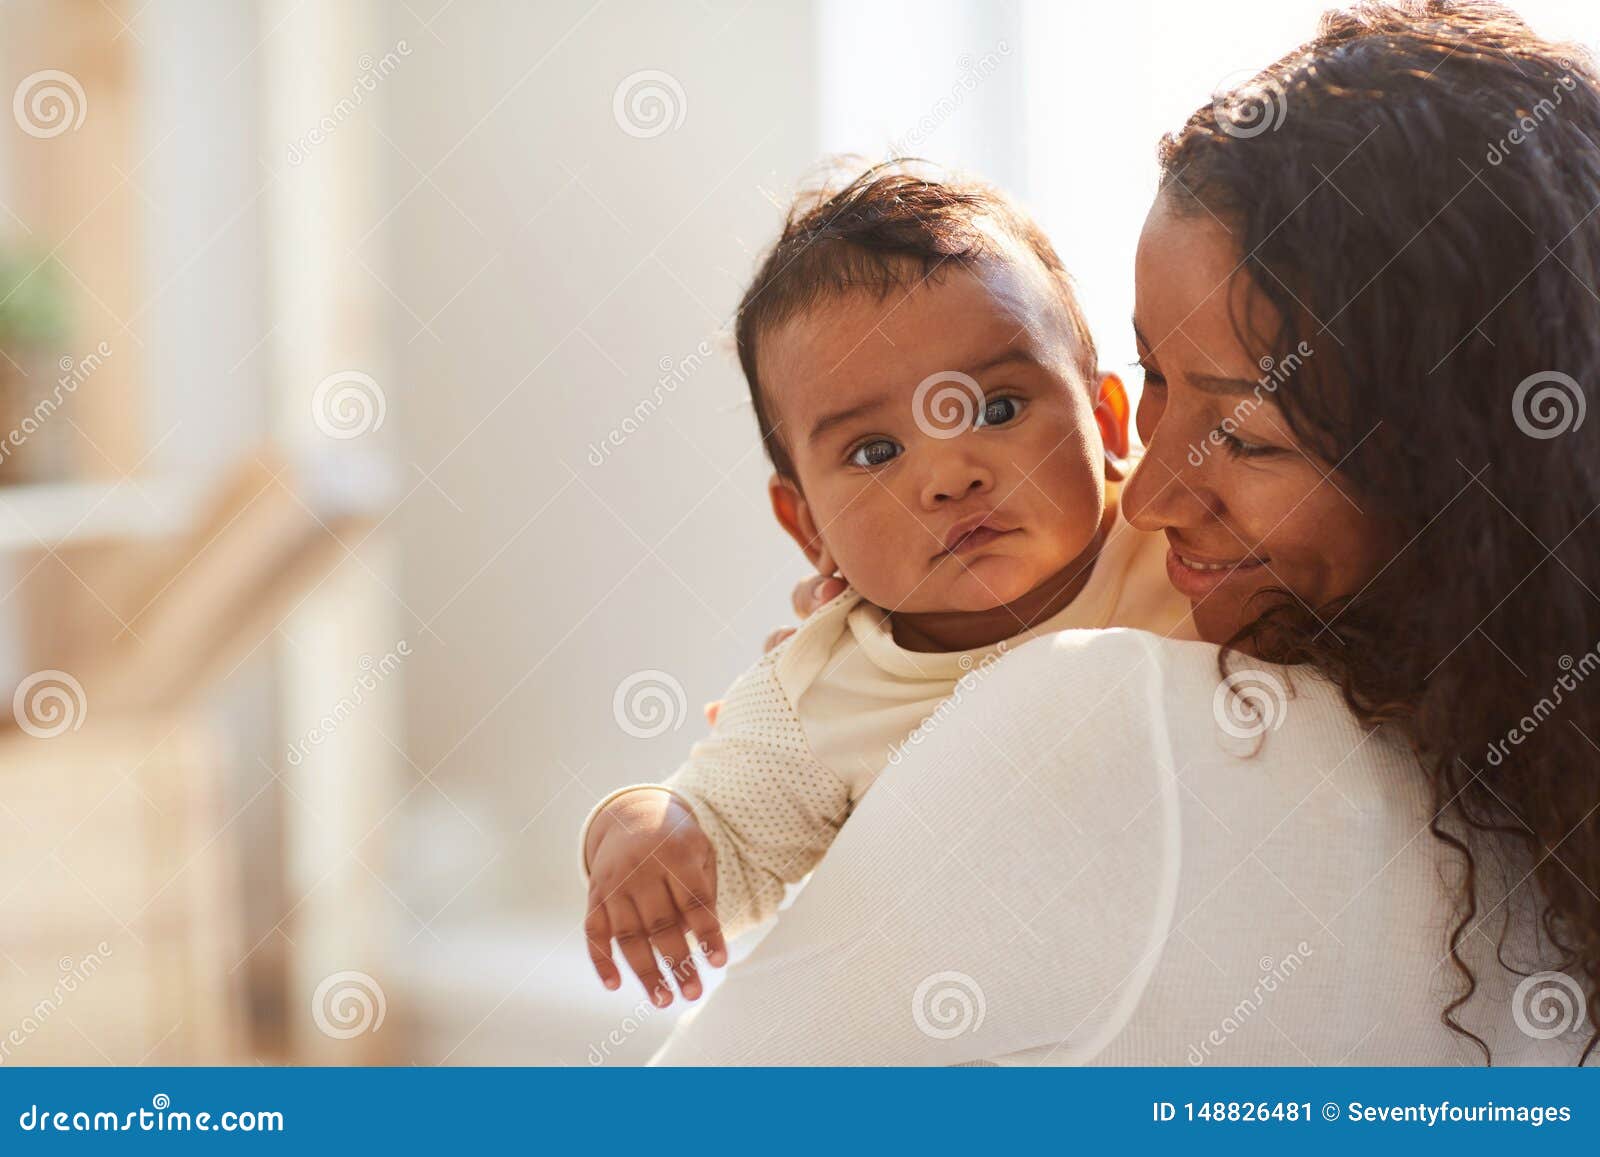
(828,421)
(1019,357)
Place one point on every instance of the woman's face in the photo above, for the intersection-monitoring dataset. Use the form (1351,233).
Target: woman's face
(1243,505)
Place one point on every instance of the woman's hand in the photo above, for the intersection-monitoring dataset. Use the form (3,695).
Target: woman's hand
(814,592)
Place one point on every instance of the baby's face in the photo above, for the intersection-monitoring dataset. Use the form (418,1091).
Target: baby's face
(947,449)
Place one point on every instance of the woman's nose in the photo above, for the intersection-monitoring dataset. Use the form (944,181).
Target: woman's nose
(954,478)
(1167,489)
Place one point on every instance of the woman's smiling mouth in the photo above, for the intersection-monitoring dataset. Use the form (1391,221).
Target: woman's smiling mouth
(1195,577)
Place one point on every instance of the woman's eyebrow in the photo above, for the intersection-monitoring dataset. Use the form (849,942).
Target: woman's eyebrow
(1212,384)
(1207,383)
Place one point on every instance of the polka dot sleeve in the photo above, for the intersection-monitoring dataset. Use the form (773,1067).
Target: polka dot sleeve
(768,806)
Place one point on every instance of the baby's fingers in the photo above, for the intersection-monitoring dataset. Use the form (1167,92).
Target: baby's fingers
(665,924)
(634,940)
(696,899)
(597,929)
(814,592)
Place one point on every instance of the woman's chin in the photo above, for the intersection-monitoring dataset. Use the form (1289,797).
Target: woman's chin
(1217,617)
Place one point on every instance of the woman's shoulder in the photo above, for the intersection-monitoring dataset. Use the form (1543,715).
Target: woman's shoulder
(1251,731)
(1188,677)
(1112,644)
(1132,663)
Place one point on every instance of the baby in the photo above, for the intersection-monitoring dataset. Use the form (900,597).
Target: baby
(928,392)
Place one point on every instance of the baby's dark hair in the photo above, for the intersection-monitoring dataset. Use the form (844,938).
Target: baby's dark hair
(887,229)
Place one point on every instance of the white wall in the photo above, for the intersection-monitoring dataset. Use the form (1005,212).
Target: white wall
(204,316)
(544,271)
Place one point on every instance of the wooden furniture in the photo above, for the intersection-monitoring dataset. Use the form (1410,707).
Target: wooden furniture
(155,591)
(116,916)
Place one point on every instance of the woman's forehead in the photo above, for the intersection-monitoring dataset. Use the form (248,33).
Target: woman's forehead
(1194,292)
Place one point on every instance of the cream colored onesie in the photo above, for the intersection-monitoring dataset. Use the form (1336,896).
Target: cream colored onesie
(803,734)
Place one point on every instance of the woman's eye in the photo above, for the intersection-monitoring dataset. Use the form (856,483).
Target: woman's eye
(1238,447)
(999,411)
(875,453)
(1151,377)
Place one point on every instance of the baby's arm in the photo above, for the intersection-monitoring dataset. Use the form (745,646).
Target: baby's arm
(768,807)
(750,811)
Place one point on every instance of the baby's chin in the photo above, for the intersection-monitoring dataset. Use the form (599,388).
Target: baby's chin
(983,584)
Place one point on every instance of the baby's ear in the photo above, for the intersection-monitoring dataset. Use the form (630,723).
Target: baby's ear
(793,513)
(1111,413)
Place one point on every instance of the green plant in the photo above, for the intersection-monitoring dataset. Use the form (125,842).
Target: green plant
(32,304)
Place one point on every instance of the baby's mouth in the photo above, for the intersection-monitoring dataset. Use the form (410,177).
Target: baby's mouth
(973,540)
(973,534)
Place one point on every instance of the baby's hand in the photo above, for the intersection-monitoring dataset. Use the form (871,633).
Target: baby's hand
(652,878)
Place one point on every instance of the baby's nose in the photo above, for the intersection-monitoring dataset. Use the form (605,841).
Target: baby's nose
(955,481)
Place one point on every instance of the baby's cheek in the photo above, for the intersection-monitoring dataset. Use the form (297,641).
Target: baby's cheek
(1066,496)
(876,555)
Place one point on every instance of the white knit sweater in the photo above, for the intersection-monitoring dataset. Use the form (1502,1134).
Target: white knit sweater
(1103,858)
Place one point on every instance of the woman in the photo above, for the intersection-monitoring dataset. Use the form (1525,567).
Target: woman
(1366,333)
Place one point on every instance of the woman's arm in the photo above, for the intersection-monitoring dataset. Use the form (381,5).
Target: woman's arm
(1007,885)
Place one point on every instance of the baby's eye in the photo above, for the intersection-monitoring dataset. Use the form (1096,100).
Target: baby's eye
(875,453)
(999,411)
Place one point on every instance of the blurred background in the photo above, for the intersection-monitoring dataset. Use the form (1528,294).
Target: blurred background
(377,485)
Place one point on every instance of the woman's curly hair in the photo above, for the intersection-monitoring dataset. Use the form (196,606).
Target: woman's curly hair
(1417,191)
